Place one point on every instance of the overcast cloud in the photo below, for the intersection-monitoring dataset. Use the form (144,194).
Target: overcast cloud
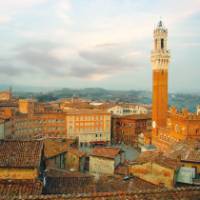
(88,43)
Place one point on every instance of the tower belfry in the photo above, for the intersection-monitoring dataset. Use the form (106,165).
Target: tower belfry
(160,58)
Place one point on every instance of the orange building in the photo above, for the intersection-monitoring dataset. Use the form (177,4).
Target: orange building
(126,129)
(26,105)
(88,126)
(40,125)
(180,126)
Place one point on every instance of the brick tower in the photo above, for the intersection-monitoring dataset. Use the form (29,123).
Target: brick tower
(160,59)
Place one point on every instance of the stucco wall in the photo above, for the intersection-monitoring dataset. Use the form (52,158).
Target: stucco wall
(14,173)
(153,173)
(101,165)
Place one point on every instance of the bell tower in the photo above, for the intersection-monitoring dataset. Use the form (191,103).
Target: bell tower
(160,60)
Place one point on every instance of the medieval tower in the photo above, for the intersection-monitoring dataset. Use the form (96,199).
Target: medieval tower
(160,60)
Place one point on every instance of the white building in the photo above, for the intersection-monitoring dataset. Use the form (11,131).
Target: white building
(128,109)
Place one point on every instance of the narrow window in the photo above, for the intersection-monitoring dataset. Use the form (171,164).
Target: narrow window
(162,43)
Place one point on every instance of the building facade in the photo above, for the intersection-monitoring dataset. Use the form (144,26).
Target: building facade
(40,125)
(128,109)
(105,160)
(21,159)
(126,129)
(89,126)
(5,95)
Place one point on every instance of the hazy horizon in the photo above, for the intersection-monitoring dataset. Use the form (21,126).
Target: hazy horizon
(38,89)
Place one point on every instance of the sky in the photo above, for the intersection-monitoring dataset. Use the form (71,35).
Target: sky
(97,43)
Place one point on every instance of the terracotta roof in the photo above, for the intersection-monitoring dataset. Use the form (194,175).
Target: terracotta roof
(76,152)
(20,187)
(52,172)
(64,182)
(20,154)
(107,152)
(188,150)
(116,183)
(191,156)
(186,193)
(53,148)
(168,162)
(85,111)
(159,158)
(147,156)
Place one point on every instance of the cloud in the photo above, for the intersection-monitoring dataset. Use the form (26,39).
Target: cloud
(107,56)
(55,60)
(103,61)
(94,40)
(9,70)
(37,57)
(62,9)
(9,8)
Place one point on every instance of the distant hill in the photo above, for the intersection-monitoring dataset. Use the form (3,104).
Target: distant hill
(133,96)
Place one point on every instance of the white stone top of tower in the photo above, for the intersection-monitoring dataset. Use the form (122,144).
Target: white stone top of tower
(160,24)
(160,55)
(160,27)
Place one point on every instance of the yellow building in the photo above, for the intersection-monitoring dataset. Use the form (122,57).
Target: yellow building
(5,95)
(88,126)
(104,160)
(20,159)
(155,168)
(26,105)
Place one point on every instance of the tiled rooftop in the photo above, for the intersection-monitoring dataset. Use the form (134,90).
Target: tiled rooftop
(117,183)
(20,154)
(51,172)
(76,152)
(159,158)
(64,182)
(189,193)
(185,150)
(53,148)
(107,152)
(191,156)
(20,187)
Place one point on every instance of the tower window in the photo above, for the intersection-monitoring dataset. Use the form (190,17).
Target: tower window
(162,43)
